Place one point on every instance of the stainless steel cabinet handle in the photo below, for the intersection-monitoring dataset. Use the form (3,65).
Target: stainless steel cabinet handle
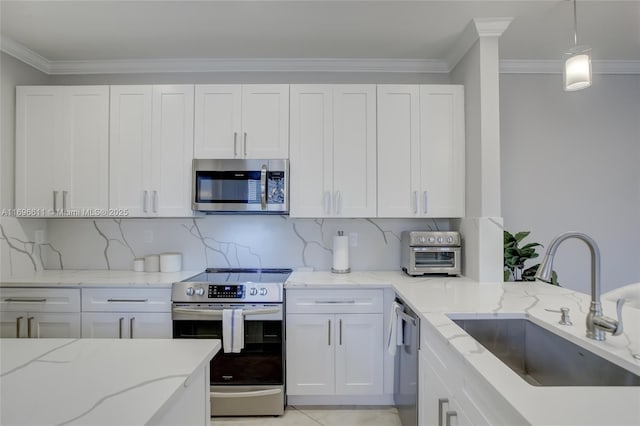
(120,321)
(64,200)
(334,302)
(415,202)
(131,327)
(29,322)
(55,202)
(145,200)
(127,300)
(329,333)
(340,337)
(263,187)
(235,144)
(450,414)
(441,402)
(26,299)
(327,202)
(338,203)
(245,144)
(18,320)
(425,199)
(155,201)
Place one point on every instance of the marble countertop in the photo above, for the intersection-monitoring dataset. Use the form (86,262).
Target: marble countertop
(95,381)
(96,278)
(438,299)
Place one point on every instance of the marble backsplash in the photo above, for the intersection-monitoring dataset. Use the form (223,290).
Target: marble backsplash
(210,241)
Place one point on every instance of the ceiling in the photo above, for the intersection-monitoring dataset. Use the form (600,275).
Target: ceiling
(121,31)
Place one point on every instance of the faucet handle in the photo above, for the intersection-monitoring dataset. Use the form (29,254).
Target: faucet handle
(619,304)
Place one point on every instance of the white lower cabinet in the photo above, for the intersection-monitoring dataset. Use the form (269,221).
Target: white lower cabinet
(336,347)
(451,393)
(126,313)
(39,313)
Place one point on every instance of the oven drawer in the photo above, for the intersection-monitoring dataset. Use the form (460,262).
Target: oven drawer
(247,400)
(126,300)
(304,301)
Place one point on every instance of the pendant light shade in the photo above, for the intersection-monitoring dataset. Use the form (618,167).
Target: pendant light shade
(577,65)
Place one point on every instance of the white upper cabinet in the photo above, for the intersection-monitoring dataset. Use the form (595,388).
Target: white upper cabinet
(421,149)
(333,151)
(242,121)
(62,140)
(151,149)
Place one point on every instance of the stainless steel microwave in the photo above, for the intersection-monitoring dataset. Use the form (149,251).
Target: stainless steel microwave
(240,186)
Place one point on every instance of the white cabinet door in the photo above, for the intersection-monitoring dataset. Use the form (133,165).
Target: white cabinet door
(310,354)
(171,150)
(156,325)
(359,349)
(398,150)
(12,324)
(354,151)
(218,121)
(124,325)
(311,167)
(130,149)
(40,324)
(62,137)
(265,121)
(442,151)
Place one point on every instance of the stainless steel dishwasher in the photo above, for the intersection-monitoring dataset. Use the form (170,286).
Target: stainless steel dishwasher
(405,390)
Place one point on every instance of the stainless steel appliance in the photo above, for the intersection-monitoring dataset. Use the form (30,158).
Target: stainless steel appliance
(405,390)
(240,186)
(431,252)
(250,382)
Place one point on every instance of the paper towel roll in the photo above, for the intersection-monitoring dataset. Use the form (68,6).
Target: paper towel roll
(340,254)
(170,262)
(152,263)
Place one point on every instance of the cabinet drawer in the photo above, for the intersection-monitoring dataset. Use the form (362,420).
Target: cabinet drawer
(126,300)
(303,301)
(40,299)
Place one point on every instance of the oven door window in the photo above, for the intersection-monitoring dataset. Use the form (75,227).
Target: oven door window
(440,259)
(260,362)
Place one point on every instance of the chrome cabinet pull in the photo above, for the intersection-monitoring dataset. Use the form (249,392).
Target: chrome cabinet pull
(155,201)
(338,203)
(450,414)
(64,200)
(425,199)
(340,337)
(145,200)
(329,333)
(441,402)
(327,202)
(235,144)
(120,321)
(131,327)
(29,322)
(26,299)
(127,300)
(263,187)
(415,202)
(334,302)
(18,325)
(245,144)
(55,202)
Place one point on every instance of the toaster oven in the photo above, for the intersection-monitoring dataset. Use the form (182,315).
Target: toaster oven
(431,252)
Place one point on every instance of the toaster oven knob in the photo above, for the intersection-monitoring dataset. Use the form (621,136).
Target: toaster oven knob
(440,239)
(253,291)
(190,291)
(432,239)
(422,240)
(263,291)
(200,291)
(450,240)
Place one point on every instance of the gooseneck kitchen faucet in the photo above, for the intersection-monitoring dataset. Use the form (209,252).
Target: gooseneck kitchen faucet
(597,323)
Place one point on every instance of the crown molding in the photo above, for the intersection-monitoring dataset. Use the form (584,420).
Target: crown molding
(555,67)
(24,54)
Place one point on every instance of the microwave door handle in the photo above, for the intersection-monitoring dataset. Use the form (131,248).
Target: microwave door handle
(263,187)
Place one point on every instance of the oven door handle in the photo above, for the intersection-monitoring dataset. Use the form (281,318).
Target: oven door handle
(249,394)
(218,313)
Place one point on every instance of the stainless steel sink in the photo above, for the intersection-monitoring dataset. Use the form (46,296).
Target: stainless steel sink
(541,357)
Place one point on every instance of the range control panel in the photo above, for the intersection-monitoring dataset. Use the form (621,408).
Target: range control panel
(247,292)
(218,291)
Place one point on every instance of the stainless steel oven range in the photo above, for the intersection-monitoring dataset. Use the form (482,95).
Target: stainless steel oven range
(250,382)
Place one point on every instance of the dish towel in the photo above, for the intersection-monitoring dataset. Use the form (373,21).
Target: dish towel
(395,333)
(232,330)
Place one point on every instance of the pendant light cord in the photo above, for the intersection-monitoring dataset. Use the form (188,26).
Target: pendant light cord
(575,23)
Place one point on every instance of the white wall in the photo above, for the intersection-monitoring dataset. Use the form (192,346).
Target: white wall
(571,161)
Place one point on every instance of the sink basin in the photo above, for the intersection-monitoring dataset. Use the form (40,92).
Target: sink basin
(543,358)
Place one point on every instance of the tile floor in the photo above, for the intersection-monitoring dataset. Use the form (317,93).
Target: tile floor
(320,416)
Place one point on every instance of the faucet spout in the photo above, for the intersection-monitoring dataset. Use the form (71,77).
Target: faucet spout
(596,323)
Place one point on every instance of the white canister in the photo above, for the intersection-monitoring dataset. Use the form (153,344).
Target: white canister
(340,254)
(138,264)
(170,262)
(152,263)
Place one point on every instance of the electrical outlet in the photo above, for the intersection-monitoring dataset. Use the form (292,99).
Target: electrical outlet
(148,236)
(39,236)
(353,239)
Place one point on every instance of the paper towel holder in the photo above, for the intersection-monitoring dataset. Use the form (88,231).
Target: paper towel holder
(340,270)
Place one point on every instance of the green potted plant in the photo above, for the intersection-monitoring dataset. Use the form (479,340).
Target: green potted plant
(515,257)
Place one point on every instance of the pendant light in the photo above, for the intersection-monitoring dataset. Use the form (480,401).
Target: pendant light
(577,65)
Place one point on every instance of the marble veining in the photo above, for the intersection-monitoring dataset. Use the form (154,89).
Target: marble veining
(26,249)
(39,358)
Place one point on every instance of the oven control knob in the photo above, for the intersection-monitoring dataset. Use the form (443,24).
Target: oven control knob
(432,239)
(190,291)
(253,291)
(263,291)
(450,240)
(423,239)
(199,291)
(440,239)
